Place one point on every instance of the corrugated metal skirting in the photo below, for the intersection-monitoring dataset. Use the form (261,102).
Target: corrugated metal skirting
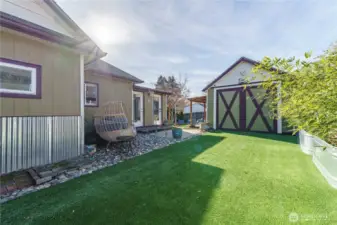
(33,141)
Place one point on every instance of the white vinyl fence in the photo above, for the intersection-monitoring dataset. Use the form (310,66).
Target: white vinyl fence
(323,154)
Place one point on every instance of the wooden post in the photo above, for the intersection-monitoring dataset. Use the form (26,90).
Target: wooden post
(191,115)
(204,112)
(169,114)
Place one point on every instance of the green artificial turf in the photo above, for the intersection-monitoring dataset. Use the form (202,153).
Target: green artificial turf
(217,178)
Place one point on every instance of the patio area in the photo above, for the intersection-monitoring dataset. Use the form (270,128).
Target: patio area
(215,178)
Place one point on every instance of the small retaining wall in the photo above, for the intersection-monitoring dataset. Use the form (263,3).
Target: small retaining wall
(324,156)
(306,142)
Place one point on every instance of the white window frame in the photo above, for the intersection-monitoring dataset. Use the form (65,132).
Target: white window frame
(159,121)
(33,78)
(85,94)
(141,122)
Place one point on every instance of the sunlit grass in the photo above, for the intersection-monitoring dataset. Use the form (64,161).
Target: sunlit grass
(218,178)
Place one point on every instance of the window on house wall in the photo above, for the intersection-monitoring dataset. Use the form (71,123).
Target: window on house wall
(18,79)
(91,94)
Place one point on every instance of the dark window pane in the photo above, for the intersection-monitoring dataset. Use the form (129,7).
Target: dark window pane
(156,109)
(91,94)
(136,108)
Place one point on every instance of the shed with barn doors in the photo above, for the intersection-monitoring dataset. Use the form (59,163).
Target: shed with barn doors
(230,106)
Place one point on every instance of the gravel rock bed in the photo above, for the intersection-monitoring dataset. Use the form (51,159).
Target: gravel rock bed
(86,164)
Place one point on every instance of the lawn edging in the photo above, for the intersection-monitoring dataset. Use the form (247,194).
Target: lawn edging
(306,142)
(324,156)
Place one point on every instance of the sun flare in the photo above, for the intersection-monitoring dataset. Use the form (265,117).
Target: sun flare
(109,30)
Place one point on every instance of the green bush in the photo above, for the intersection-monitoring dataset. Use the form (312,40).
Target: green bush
(180,116)
(308,91)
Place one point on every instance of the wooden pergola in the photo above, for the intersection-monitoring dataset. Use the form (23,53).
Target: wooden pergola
(201,100)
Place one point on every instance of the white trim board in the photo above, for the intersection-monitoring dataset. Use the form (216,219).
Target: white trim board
(141,122)
(157,122)
(32,71)
(82,101)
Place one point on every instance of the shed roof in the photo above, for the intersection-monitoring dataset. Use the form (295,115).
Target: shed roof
(102,67)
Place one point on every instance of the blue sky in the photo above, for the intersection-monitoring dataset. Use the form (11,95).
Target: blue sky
(199,39)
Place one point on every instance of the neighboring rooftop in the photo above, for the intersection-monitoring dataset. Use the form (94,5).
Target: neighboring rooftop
(146,89)
(105,68)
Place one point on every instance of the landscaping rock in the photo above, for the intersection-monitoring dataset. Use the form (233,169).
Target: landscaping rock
(50,175)
(46,173)
(62,177)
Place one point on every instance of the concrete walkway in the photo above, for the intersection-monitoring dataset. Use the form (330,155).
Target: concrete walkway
(187,133)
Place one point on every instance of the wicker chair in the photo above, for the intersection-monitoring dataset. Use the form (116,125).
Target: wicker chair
(111,123)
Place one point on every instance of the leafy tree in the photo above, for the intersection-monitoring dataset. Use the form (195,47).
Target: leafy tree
(161,82)
(308,91)
(178,88)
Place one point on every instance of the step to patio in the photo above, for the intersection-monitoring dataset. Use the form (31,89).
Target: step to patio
(15,181)
(152,129)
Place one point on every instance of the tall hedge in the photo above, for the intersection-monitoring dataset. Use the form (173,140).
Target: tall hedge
(308,91)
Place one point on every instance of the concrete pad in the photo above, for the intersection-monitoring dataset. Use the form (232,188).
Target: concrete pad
(186,133)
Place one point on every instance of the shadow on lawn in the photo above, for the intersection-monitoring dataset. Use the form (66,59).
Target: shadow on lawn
(162,187)
(276,137)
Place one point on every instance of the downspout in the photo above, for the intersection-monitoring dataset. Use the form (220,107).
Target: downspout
(81,120)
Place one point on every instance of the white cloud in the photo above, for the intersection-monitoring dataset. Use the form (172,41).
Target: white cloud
(175,59)
(204,72)
(203,55)
(200,38)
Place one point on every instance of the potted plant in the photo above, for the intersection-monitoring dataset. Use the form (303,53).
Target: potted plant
(177,132)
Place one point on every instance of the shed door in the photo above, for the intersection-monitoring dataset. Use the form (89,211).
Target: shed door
(244,110)
(228,109)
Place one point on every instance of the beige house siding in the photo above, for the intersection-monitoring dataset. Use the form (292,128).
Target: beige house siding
(148,109)
(164,107)
(60,78)
(110,89)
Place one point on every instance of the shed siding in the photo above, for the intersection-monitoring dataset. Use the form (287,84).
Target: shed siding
(60,78)
(241,71)
(210,105)
(110,89)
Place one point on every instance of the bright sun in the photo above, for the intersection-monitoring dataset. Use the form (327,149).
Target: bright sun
(109,30)
(103,35)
